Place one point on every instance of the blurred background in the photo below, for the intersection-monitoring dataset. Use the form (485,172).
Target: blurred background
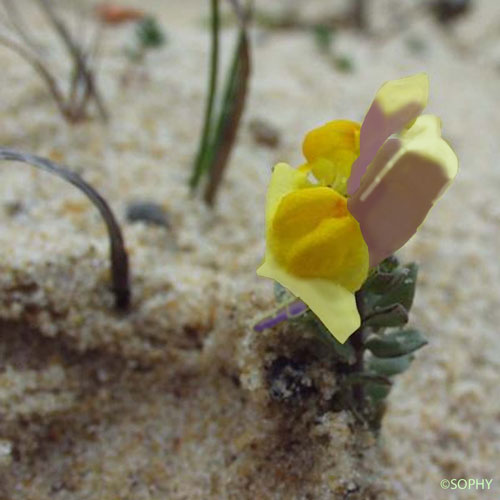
(133,127)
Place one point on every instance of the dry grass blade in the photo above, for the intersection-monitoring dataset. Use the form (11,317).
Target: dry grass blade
(40,68)
(118,254)
(359,11)
(17,37)
(15,18)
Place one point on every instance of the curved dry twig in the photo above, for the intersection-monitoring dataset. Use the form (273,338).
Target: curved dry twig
(118,254)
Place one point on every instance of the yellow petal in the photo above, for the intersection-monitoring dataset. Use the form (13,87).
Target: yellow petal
(284,179)
(334,171)
(330,151)
(333,304)
(401,185)
(299,212)
(325,141)
(395,95)
(396,105)
(313,235)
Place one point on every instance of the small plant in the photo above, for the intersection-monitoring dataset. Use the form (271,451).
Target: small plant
(81,90)
(118,254)
(343,63)
(378,350)
(334,223)
(221,123)
(148,35)
(324,36)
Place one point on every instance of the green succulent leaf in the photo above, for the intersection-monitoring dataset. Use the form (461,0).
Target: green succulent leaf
(390,366)
(380,282)
(389,264)
(376,391)
(396,343)
(393,315)
(402,291)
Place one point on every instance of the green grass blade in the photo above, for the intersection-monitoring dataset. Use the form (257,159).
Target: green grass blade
(230,115)
(203,148)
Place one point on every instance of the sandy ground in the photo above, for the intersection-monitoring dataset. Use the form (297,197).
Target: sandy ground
(170,401)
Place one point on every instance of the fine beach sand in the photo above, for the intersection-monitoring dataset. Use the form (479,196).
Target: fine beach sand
(172,400)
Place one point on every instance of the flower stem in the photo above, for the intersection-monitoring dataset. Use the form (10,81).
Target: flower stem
(357,342)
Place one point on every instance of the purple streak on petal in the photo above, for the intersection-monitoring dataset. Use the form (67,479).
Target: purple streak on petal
(296,308)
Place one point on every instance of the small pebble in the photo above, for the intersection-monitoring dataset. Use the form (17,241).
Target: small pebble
(148,212)
(13,208)
(264,133)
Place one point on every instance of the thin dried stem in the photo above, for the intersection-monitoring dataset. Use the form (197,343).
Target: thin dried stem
(16,21)
(76,54)
(360,15)
(82,86)
(40,68)
(357,342)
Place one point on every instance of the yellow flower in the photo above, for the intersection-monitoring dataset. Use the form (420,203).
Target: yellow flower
(320,240)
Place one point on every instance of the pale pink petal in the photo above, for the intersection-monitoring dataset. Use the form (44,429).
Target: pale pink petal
(405,179)
(396,105)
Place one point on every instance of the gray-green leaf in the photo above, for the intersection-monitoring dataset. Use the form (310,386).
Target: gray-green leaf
(393,315)
(376,391)
(390,366)
(395,343)
(380,282)
(389,264)
(402,290)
